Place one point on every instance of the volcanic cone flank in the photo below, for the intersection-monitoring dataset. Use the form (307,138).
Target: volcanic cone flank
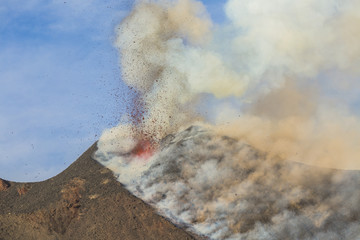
(83,202)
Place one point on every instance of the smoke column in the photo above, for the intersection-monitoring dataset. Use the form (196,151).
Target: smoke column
(278,77)
(147,39)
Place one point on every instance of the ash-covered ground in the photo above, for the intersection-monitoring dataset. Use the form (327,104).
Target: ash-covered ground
(226,189)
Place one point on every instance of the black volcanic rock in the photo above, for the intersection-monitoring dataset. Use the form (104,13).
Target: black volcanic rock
(83,202)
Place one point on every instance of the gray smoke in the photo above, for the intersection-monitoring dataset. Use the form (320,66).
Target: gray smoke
(226,189)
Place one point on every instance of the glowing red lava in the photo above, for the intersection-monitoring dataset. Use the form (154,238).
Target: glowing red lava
(137,111)
(143,149)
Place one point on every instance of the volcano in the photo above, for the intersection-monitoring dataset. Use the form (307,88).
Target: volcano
(83,202)
(196,185)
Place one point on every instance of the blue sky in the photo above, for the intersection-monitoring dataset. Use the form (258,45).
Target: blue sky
(60,81)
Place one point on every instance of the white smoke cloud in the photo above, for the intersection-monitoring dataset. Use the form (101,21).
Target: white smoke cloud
(272,58)
(303,37)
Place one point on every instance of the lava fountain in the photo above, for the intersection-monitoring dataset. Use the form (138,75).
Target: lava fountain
(145,142)
(143,149)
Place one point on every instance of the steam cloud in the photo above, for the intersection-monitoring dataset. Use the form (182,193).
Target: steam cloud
(282,77)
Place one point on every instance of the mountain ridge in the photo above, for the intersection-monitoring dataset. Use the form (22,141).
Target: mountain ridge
(83,202)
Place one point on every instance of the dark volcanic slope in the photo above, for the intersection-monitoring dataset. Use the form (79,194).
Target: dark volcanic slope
(83,202)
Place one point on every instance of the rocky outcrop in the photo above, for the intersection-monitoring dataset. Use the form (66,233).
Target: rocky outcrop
(4,185)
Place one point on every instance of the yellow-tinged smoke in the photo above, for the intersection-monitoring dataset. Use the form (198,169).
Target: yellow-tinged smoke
(281,62)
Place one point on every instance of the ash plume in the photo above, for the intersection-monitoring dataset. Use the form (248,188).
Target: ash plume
(281,79)
(283,68)
(148,39)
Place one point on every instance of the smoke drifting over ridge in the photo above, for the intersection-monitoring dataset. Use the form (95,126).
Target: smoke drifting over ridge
(226,189)
(279,74)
